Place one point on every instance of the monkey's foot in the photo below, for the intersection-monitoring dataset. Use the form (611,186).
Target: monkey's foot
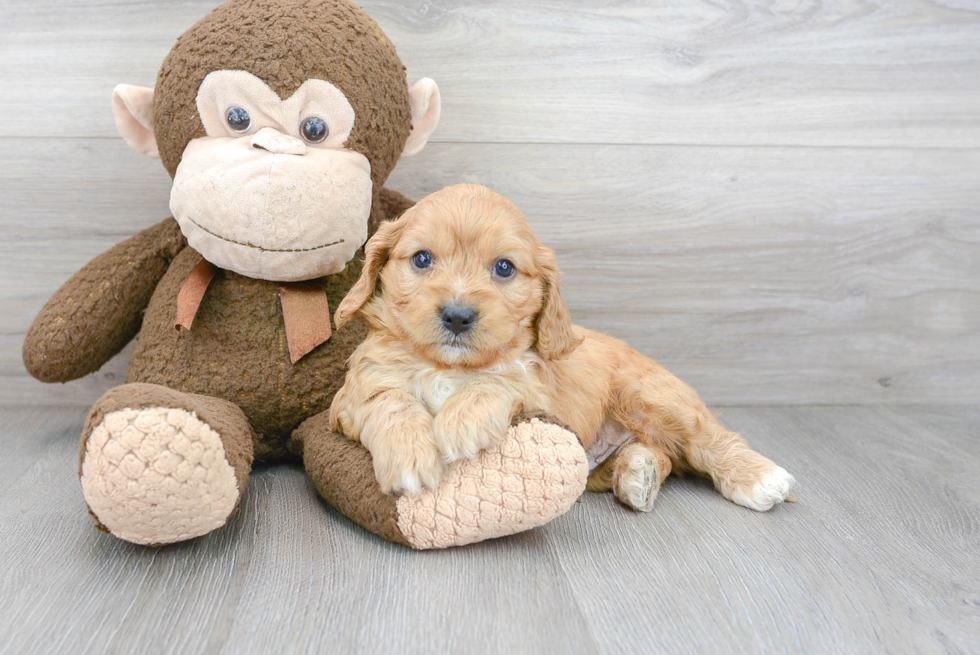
(533,477)
(157,475)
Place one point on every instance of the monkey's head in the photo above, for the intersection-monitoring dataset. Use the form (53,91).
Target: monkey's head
(279,121)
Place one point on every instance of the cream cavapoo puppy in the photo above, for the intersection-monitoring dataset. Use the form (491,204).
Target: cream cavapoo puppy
(468,328)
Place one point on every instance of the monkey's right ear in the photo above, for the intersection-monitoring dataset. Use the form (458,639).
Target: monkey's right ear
(132,107)
(426,106)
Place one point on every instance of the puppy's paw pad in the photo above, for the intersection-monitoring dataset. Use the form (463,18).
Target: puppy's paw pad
(772,489)
(636,486)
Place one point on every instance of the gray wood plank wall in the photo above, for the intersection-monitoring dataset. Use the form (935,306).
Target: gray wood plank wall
(779,201)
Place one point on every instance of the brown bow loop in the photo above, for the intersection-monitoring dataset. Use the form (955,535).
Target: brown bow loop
(306,313)
(192,293)
(305,310)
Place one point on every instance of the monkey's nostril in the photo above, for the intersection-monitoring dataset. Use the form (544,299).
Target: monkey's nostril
(457,318)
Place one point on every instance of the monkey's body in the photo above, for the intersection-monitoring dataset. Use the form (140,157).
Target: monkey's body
(279,121)
(237,350)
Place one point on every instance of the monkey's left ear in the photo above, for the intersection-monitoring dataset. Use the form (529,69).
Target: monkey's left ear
(132,107)
(426,106)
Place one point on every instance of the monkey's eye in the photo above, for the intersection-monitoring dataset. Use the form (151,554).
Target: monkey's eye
(314,129)
(422,259)
(503,268)
(238,119)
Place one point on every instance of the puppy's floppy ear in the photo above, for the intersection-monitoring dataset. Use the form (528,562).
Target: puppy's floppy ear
(554,325)
(375,256)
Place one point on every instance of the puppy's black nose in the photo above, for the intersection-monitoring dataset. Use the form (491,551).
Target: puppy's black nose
(457,318)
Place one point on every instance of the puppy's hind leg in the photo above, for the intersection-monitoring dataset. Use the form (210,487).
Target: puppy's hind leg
(741,474)
(634,473)
(638,472)
(670,414)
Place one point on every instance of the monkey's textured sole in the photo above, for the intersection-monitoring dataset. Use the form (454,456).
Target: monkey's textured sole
(535,476)
(157,476)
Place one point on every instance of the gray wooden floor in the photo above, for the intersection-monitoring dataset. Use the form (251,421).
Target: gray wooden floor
(880,554)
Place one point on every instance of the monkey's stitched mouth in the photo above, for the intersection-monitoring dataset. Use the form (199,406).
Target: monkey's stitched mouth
(260,248)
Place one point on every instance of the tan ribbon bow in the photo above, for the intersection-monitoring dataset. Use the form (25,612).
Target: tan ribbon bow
(305,309)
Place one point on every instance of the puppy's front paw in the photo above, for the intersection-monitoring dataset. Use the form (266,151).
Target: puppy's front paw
(406,464)
(418,476)
(462,431)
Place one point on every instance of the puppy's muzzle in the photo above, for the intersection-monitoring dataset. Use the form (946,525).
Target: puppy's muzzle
(457,318)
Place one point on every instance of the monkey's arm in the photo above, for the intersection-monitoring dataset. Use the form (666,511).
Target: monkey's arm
(100,309)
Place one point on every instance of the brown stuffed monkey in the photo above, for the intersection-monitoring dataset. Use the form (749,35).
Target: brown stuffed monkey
(279,121)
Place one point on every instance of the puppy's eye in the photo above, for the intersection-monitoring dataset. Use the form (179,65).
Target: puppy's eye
(422,259)
(503,268)
(238,119)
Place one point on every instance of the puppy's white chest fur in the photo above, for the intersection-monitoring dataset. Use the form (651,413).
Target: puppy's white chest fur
(435,387)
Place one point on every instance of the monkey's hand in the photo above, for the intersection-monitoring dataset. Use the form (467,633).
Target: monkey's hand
(100,309)
(474,418)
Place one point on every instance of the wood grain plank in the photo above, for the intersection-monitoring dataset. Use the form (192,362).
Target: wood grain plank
(342,590)
(834,72)
(25,435)
(760,275)
(904,502)
(772,275)
(878,555)
(287,574)
(68,588)
(955,432)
